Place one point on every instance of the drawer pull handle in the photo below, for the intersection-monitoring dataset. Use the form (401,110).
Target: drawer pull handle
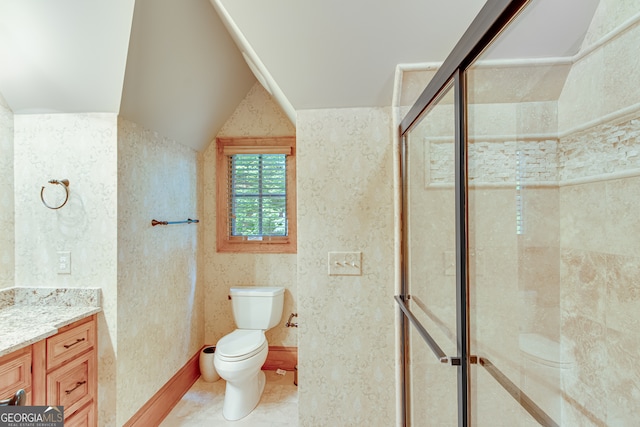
(79,340)
(78,384)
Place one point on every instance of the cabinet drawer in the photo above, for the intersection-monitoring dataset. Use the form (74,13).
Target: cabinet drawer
(72,385)
(85,417)
(68,344)
(15,372)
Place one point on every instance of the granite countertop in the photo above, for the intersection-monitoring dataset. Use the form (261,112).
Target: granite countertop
(28,315)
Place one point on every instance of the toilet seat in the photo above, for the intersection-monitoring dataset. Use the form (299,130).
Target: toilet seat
(240,344)
(544,351)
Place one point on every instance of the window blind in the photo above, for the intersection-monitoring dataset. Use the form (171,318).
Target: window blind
(257,195)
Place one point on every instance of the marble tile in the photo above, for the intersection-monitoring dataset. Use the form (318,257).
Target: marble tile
(7,297)
(66,297)
(583,384)
(622,211)
(24,325)
(202,405)
(623,293)
(583,216)
(28,315)
(584,285)
(622,377)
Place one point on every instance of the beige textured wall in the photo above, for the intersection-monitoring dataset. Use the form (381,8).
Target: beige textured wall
(7,233)
(83,149)
(120,177)
(160,297)
(346,203)
(256,115)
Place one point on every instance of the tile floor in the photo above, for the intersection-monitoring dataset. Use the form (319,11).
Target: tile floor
(201,406)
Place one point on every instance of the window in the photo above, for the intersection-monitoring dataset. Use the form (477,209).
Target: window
(256,195)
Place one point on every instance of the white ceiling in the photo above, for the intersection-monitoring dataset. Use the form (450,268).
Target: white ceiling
(171,65)
(185,76)
(63,55)
(337,53)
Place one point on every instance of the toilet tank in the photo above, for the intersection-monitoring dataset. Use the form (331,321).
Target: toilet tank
(257,307)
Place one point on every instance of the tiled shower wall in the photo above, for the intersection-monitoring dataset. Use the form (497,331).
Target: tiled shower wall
(535,161)
(600,264)
(599,118)
(603,149)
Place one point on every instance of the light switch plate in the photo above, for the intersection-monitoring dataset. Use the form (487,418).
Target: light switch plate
(64,262)
(345,263)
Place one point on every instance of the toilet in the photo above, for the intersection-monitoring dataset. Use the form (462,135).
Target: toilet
(545,363)
(239,356)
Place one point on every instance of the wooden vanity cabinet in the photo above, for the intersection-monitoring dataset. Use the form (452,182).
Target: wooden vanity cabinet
(58,371)
(72,374)
(15,374)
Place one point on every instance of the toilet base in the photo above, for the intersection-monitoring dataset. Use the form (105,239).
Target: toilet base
(240,398)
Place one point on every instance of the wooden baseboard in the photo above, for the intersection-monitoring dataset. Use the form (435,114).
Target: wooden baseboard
(281,358)
(159,406)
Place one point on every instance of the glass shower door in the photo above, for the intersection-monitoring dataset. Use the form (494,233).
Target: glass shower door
(552,113)
(520,247)
(429,298)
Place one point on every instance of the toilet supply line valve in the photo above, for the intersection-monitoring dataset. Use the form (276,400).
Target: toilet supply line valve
(289,324)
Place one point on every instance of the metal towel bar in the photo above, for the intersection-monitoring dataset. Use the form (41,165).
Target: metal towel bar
(188,221)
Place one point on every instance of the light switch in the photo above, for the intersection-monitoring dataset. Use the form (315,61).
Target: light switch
(64,262)
(345,263)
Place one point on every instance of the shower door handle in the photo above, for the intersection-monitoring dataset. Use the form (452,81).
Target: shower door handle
(433,345)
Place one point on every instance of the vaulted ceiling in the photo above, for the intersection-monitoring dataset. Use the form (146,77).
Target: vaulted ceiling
(180,67)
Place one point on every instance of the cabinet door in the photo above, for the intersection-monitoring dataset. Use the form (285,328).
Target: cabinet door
(85,417)
(15,373)
(72,385)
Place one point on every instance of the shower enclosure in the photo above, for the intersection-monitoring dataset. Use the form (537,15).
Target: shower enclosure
(520,294)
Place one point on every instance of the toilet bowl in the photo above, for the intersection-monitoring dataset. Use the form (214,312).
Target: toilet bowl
(544,364)
(239,355)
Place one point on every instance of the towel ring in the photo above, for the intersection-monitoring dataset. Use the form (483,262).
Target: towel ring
(65,184)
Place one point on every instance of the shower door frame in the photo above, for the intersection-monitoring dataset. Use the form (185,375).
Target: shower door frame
(492,19)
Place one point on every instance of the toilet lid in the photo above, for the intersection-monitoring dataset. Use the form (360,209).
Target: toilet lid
(241,342)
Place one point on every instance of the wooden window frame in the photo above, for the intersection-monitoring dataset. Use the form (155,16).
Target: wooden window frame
(267,145)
